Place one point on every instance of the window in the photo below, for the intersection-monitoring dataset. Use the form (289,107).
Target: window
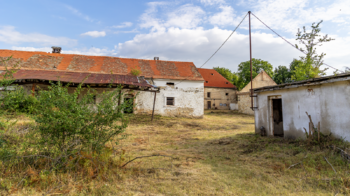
(206,81)
(170,84)
(170,101)
(226,82)
(226,94)
(212,74)
(208,94)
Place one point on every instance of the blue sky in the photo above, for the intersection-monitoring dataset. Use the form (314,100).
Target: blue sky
(174,30)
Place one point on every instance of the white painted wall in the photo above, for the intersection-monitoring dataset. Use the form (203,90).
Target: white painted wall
(233,106)
(327,103)
(189,99)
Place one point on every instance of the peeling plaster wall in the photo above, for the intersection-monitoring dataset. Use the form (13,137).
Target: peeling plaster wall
(189,99)
(326,103)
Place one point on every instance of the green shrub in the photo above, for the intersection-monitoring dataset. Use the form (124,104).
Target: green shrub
(18,100)
(135,72)
(69,122)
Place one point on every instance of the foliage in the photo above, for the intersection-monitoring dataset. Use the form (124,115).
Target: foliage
(282,75)
(258,65)
(230,76)
(311,63)
(135,71)
(14,98)
(67,121)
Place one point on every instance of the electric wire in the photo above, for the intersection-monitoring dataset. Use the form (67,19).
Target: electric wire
(220,46)
(289,42)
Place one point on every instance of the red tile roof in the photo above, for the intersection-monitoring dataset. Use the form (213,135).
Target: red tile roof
(214,79)
(103,64)
(78,77)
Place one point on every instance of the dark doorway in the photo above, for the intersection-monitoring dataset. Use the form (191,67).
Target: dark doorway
(130,108)
(277,117)
(209,105)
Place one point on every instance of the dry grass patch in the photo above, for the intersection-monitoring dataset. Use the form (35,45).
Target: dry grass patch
(216,155)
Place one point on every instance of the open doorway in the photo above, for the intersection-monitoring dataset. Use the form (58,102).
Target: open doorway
(277,117)
(129,100)
(209,105)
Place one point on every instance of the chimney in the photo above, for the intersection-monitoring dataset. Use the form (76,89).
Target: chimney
(56,49)
(156,58)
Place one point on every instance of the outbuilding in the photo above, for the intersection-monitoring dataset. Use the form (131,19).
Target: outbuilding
(281,109)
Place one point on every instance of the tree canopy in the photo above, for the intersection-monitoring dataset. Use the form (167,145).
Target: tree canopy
(257,66)
(311,63)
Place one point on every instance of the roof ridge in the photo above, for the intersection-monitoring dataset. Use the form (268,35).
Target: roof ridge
(92,55)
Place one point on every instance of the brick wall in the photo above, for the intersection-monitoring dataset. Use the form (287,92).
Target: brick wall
(218,96)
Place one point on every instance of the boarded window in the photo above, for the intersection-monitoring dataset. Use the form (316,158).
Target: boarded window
(208,94)
(170,101)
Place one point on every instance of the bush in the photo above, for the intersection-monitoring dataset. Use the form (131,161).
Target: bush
(69,122)
(18,100)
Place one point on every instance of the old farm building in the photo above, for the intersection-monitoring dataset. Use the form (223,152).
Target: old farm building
(219,93)
(281,109)
(180,84)
(243,96)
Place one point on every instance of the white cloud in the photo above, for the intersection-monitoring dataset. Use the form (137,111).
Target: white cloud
(84,51)
(94,33)
(212,2)
(123,25)
(197,45)
(9,35)
(185,16)
(290,15)
(79,14)
(223,18)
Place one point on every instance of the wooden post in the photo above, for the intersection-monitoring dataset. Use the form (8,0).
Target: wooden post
(154,103)
(318,130)
(33,90)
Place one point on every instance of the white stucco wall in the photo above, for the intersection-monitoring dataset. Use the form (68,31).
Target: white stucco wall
(327,103)
(189,99)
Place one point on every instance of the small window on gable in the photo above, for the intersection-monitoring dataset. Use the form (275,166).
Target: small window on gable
(208,94)
(226,94)
(206,81)
(170,101)
(170,84)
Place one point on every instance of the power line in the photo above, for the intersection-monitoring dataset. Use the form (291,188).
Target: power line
(220,46)
(289,42)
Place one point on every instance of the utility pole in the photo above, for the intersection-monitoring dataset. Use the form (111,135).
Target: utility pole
(251,69)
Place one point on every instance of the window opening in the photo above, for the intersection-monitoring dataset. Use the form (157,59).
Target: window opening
(206,81)
(208,94)
(170,101)
(212,74)
(172,84)
(226,94)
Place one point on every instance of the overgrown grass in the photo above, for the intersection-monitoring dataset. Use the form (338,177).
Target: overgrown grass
(216,155)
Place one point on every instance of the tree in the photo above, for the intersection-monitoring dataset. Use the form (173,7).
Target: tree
(258,65)
(310,68)
(230,76)
(282,75)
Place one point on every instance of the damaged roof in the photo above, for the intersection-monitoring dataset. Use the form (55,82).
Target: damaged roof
(102,64)
(214,79)
(309,82)
(77,77)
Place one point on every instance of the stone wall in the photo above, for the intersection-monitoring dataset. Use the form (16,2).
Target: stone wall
(218,98)
(244,104)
